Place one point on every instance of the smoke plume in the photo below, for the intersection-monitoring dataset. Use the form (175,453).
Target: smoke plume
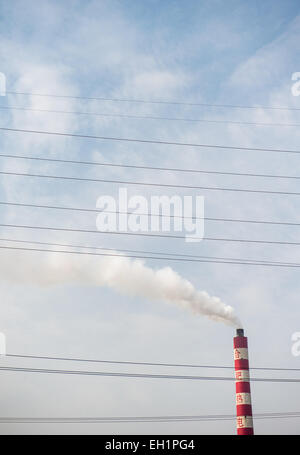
(124,275)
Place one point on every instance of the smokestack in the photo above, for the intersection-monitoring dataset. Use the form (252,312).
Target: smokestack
(244,421)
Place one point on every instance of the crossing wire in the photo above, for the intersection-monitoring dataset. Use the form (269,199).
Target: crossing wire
(160,215)
(168,256)
(144,101)
(148,117)
(139,375)
(142,419)
(146,234)
(135,183)
(132,166)
(149,141)
(126,362)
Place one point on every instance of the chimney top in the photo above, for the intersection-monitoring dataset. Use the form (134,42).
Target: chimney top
(239,332)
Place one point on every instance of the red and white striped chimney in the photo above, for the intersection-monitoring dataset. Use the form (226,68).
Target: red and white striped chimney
(244,421)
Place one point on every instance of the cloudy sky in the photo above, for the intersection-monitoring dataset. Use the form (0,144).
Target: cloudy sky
(199,52)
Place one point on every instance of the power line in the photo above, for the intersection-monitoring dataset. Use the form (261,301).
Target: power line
(143,101)
(177,256)
(131,166)
(146,234)
(148,117)
(126,362)
(149,141)
(140,375)
(160,215)
(164,185)
(143,419)
(166,258)
(138,251)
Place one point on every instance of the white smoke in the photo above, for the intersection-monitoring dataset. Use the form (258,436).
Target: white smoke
(127,276)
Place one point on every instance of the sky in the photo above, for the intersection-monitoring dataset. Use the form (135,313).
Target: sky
(207,52)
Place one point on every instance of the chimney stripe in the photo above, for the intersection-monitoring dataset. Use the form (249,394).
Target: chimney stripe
(244,420)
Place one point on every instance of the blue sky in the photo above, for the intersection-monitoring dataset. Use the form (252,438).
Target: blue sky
(217,52)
